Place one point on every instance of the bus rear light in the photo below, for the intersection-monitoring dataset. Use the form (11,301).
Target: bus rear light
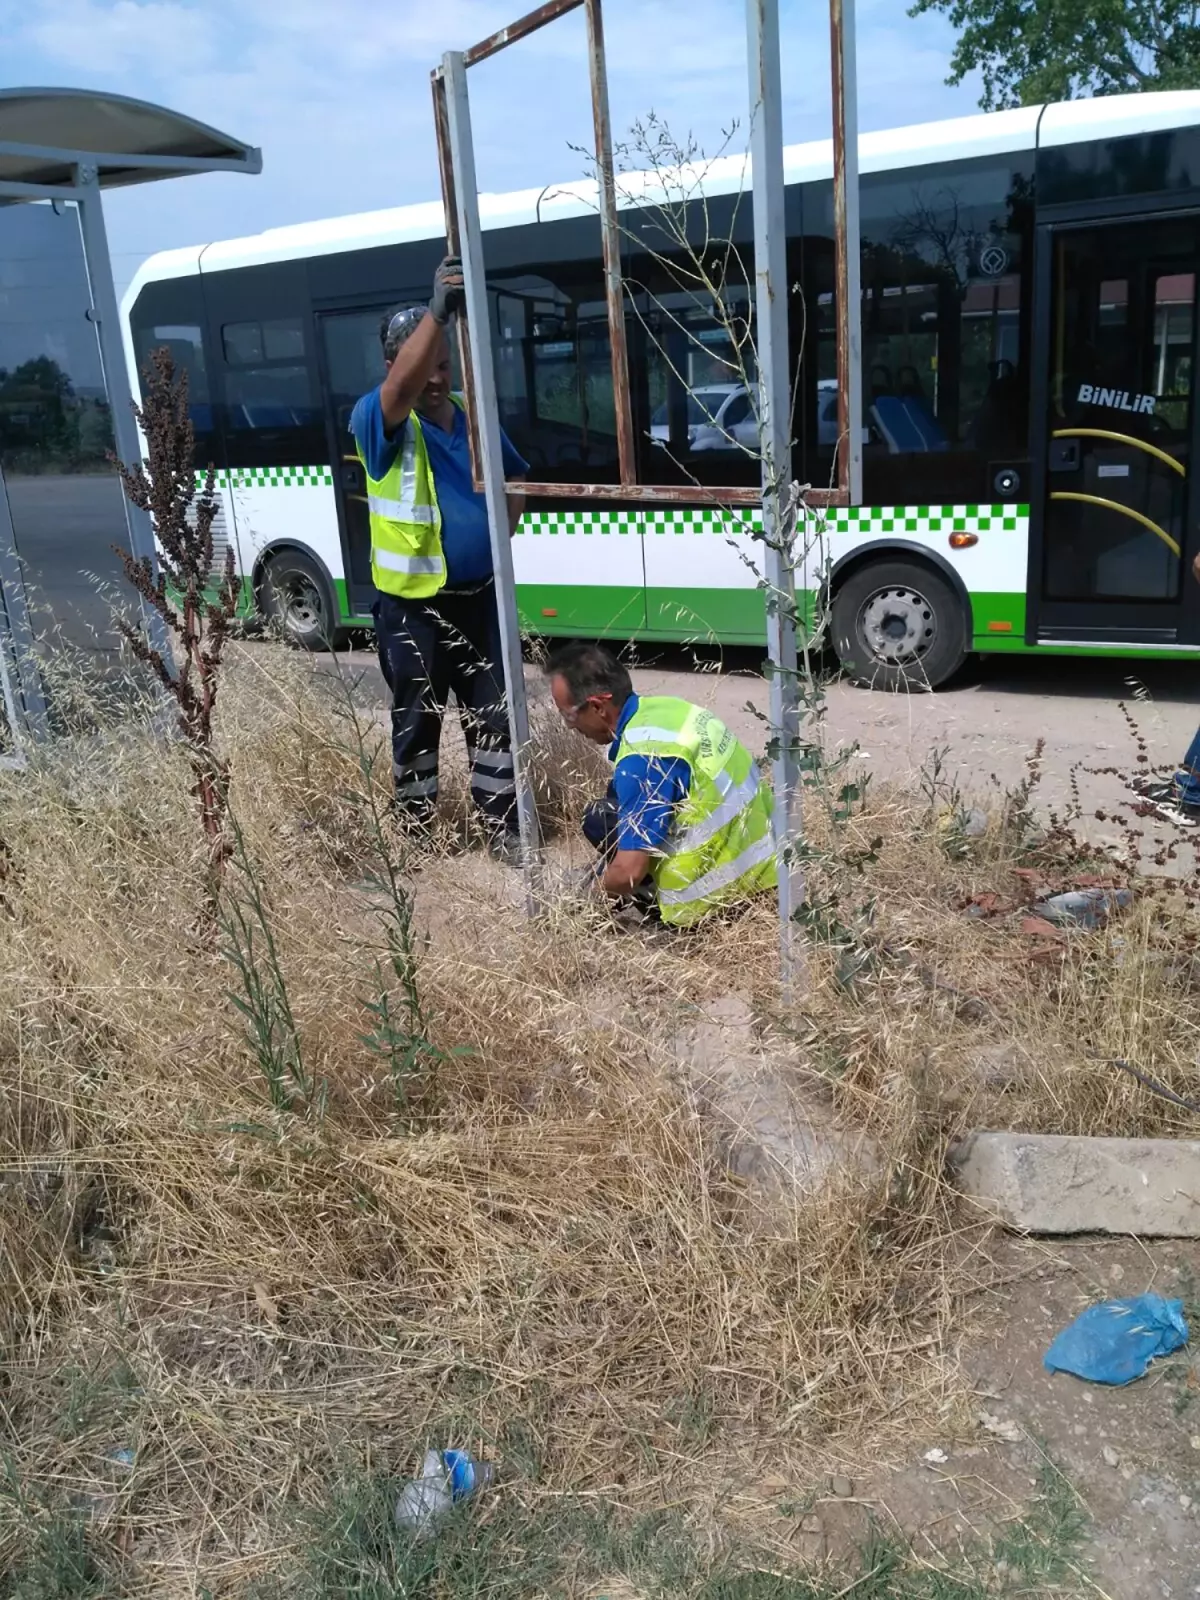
(963,541)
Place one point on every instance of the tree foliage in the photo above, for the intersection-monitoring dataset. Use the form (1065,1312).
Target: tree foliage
(1028,51)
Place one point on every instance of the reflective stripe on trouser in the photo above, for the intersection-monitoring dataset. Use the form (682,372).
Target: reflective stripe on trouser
(417,781)
(493,787)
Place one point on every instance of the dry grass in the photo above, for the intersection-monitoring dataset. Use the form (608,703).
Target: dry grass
(554,1266)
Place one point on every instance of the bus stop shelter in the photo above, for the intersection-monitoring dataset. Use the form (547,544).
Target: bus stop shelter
(66,147)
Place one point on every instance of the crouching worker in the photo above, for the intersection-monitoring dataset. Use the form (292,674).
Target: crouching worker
(686,824)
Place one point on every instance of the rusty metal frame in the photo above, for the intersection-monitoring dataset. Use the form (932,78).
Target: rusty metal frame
(845,167)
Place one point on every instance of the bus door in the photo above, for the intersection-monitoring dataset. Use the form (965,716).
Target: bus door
(1117,494)
(352,364)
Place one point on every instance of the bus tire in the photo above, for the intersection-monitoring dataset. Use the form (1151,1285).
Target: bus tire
(899,625)
(297,600)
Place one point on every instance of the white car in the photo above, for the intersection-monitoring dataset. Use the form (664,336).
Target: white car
(720,416)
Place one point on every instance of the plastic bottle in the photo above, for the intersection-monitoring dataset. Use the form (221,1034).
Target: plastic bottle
(447,1476)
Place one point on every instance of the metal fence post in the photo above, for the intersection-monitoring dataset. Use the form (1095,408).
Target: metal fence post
(775,434)
(846,247)
(462,158)
(24,702)
(116,378)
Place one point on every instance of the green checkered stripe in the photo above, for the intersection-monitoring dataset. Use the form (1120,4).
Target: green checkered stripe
(579,522)
(867,522)
(701,519)
(863,522)
(273,478)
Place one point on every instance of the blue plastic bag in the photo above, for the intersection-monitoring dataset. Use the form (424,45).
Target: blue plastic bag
(1115,1342)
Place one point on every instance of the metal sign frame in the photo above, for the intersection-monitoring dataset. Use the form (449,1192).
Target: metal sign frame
(845,180)
(456,158)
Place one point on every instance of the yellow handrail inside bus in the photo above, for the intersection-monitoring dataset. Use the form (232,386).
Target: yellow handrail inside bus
(1125,511)
(1121,438)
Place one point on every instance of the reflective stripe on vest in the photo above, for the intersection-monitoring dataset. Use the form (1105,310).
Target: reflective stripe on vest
(400,510)
(406,522)
(721,877)
(735,797)
(394,563)
(723,848)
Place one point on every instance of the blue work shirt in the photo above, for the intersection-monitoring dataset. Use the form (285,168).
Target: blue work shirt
(466,543)
(647,790)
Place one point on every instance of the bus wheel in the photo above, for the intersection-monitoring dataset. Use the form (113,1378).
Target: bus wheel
(297,600)
(899,625)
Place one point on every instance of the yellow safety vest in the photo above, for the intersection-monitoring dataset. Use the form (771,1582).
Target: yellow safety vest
(406,522)
(721,848)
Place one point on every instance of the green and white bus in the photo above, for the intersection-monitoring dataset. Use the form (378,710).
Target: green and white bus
(1029,288)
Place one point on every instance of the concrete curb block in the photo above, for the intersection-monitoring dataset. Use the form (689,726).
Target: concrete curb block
(1057,1183)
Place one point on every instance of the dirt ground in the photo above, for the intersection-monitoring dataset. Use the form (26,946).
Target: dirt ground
(1130,1456)
(987,721)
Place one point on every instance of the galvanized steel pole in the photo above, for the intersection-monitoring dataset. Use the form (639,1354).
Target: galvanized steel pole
(775,434)
(846,247)
(116,382)
(462,160)
(21,697)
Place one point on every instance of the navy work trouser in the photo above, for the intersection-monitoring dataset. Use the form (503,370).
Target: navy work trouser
(1187,779)
(428,648)
(600,825)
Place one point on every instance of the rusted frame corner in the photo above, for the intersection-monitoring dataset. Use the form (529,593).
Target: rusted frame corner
(629,489)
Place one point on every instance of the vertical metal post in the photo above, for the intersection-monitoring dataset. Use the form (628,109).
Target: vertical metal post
(775,433)
(453,247)
(611,238)
(20,677)
(846,247)
(116,377)
(462,160)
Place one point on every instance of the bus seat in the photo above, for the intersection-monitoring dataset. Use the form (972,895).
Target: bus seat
(926,424)
(896,427)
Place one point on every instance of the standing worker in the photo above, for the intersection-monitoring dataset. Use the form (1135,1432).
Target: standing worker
(436,621)
(686,824)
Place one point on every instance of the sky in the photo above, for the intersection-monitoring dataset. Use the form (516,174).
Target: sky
(336,92)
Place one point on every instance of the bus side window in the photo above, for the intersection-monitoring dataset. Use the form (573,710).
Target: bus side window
(553,373)
(186,344)
(267,391)
(170,314)
(945,271)
(700,366)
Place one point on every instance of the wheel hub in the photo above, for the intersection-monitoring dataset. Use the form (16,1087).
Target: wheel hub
(302,604)
(898,625)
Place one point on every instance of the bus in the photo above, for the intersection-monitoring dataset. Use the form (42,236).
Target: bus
(1028,308)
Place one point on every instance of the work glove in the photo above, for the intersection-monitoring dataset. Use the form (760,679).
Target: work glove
(449,296)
